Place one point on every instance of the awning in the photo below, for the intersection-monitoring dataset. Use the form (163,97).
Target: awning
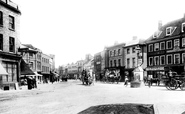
(37,74)
(2,70)
(25,69)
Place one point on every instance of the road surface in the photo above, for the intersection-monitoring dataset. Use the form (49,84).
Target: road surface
(72,97)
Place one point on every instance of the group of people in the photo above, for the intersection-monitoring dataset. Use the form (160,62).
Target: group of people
(31,82)
(87,78)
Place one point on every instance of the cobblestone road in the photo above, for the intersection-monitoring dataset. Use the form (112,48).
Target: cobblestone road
(71,97)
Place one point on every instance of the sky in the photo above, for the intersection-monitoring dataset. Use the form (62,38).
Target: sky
(70,29)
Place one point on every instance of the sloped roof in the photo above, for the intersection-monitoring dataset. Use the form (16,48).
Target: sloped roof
(176,23)
(135,42)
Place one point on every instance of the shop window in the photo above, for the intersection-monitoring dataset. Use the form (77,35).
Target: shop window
(183,58)
(162,45)
(150,48)
(156,60)
(1,42)
(183,42)
(150,61)
(156,47)
(169,59)
(162,60)
(183,27)
(1,18)
(176,58)
(176,43)
(169,44)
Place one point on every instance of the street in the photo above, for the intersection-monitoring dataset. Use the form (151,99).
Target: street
(72,97)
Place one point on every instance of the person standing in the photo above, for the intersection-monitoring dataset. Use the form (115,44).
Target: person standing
(126,81)
(149,81)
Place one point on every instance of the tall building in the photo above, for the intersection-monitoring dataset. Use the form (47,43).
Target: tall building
(166,49)
(9,44)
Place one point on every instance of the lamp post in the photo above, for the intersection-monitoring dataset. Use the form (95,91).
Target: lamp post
(138,71)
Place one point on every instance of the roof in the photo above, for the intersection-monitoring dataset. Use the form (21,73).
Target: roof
(135,42)
(176,27)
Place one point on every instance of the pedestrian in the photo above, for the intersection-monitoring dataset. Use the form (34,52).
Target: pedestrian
(34,83)
(149,81)
(29,83)
(126,81)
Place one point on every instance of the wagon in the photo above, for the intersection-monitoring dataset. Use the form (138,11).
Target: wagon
(175,82)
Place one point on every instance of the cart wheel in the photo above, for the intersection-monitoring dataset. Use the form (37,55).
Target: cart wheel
(173,85)
(167,85)
(182,86)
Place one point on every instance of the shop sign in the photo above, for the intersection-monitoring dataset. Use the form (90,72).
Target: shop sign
(154,68)
(175,50)
(157,53)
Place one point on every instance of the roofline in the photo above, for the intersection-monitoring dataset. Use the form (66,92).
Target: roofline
(16,10)
(116,45)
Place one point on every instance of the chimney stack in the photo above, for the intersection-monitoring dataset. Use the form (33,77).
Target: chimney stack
(159,24)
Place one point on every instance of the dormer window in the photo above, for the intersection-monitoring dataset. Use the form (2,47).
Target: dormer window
(183,27)
(157,34)
(168,31)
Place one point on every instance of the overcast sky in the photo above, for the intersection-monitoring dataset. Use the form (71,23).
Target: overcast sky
(70,29)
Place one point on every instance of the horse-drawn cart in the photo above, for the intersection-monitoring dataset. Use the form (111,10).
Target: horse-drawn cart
(175,82)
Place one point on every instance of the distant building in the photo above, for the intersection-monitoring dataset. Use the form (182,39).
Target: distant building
(45,68)
(9,44)
(32,57)
(98,65)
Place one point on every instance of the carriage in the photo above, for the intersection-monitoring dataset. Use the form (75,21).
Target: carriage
(175,82)
(112,76)
(86,78)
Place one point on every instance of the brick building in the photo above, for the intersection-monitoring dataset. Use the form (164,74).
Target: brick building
(115,58)
(166,49)
(9,43)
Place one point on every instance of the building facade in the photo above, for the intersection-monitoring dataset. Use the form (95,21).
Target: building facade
(72,70)
(97,65)
(166,49)
(45,68)
(115,60)
(32,57)
(135,55)
(9,44)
